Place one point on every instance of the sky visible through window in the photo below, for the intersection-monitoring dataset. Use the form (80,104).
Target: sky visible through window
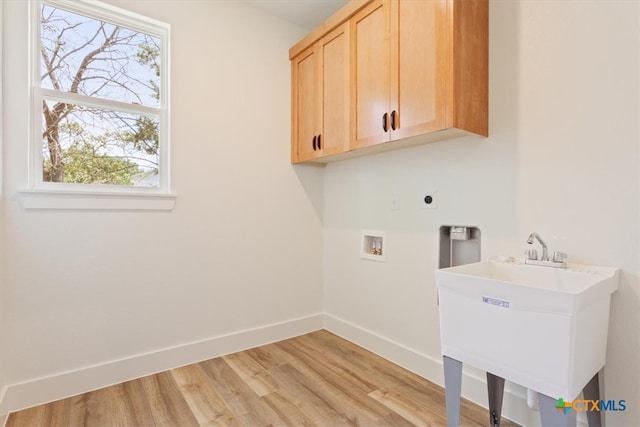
(83,142)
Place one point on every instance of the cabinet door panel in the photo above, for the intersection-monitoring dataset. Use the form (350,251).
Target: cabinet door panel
(335,94)
(371,80)
(304,105)
(419,96)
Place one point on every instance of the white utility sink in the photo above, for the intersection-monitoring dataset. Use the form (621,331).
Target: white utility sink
(544,328)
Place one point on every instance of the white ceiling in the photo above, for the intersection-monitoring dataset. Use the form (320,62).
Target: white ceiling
(305,13)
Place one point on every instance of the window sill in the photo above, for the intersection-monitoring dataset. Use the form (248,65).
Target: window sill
(76,200)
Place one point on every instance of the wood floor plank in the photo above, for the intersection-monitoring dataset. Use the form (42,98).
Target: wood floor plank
(314,380)
(138,407)
(290,409)
(270,356)
(57,413)
(284,365)
(351,370)
(380,371)
(53,414)
(395,420)
(169,407)
(245,404)
(376,368)
(318,400)
(407,408)
(104,407)
(367,364)
(202,397)
(80,405)
(251,372)
(295,386)
(334,385)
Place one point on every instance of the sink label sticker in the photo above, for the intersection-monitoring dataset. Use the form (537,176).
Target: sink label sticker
(495,301)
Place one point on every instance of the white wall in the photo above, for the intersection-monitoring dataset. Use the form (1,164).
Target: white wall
(562,159)
(95,297)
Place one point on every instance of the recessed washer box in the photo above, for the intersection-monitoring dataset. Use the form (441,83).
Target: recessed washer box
(373,245)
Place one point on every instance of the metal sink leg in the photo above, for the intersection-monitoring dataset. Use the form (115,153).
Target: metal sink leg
(552,417)
(592,392)
(495,387)
(452,390)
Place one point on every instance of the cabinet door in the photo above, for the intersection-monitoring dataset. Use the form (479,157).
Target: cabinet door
(320,96)
(334,103)
(419,67)
(370,54)
(305,109)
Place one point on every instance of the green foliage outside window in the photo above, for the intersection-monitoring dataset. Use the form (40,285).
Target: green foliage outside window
(85,144)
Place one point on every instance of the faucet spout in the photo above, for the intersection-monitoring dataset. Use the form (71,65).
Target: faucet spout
(545,251)
(532,256)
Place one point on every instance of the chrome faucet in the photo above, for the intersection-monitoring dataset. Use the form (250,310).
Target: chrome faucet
(532,254)
(545,252)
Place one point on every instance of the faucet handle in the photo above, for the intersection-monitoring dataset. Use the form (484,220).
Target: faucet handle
(531,254)
(559,256)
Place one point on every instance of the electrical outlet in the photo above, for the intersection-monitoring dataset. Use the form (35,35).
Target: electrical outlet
(429,200)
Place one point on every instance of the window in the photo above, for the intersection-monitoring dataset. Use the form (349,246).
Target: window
(100,100)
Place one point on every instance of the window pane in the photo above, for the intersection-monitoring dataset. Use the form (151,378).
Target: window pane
(84,145)
(95,58)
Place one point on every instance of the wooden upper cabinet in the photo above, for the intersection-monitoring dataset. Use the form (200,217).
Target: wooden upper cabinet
(399,50)
(370,75)
(320,98)
(468,61)
(409,74)
(418,67)
(304,106)
(417,72)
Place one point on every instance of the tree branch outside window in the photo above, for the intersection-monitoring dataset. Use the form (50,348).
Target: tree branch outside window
(92,141)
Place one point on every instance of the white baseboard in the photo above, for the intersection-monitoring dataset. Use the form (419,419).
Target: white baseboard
(474,386)
(48,389)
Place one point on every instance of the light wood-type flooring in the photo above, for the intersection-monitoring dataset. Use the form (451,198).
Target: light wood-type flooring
(316,379)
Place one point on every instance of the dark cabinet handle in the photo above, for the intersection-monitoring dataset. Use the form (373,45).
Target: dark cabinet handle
(393,119)
(385,127)
(319,144)
(314,143)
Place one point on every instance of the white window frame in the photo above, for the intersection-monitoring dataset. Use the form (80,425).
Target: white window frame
(56,195)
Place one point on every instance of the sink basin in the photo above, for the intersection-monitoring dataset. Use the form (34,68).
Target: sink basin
(544,328)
